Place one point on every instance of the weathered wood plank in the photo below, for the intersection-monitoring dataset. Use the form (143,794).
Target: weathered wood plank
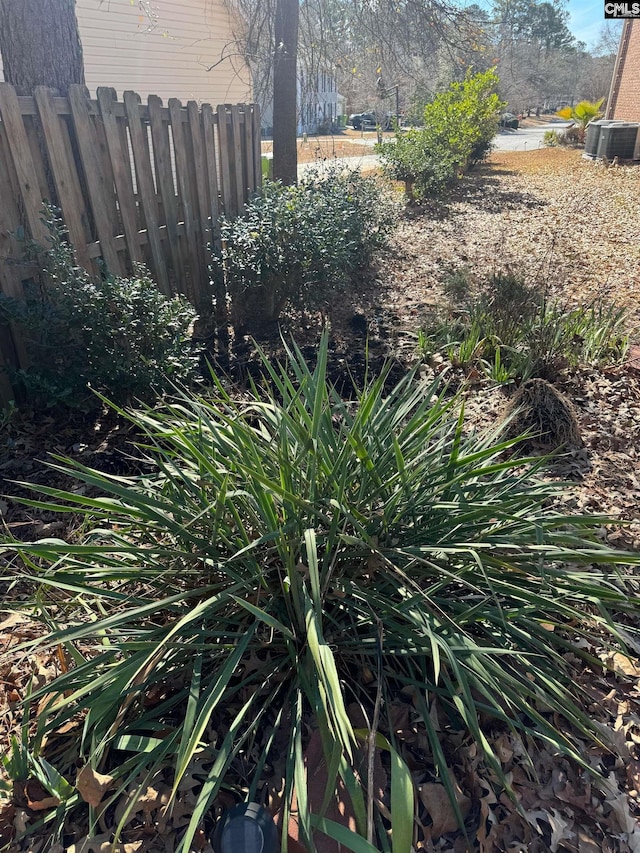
(228,196)
(219,289)
(146,189)
(10,252)
(39,157)
(22,163)
(164,178)
(119,158)
(257,146)
(64,176)
(99,190)
(247,152)
(187,202)
(204,204)
(238,159)
(212,170)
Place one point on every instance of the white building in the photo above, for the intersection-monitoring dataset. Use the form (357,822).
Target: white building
(319,103)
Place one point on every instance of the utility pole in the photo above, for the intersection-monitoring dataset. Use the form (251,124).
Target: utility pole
(387,91)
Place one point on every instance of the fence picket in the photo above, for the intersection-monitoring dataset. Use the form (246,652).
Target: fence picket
(119,157)
(146,189)
(22,163)
(98,190)
(212,173)
(164,177)
(256,145)
(240,180)
(188,208)
(10,252)
(202,184)
(64,177)
(228,197)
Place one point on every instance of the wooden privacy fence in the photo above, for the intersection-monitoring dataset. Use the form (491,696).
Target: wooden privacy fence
(134,183)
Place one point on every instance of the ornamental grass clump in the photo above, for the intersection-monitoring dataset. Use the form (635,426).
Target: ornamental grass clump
(283,544)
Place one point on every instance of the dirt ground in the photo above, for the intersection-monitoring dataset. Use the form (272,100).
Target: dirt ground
(563,222)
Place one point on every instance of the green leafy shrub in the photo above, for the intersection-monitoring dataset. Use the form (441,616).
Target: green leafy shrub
(514,330)
(119,336)
(284,544)
(302,243)
(459,125)
(551,138)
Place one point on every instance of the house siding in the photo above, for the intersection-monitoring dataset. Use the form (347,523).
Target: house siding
(624,99)
(167,54)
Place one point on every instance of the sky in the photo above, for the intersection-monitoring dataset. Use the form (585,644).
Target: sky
(586,19)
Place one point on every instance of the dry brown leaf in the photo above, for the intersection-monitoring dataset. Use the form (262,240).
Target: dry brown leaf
(7,829)
(38,798)
(586,844)
(92,786)
(503,749)
(436,800)
(624,665)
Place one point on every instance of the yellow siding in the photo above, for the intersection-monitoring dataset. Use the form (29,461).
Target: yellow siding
(166,54)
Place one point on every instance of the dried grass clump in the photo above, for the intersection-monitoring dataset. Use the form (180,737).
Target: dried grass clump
(540,410)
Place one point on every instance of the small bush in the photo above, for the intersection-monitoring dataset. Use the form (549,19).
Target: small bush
(302,243)
(551,138)
(572,136)
(459,125)
(119,336)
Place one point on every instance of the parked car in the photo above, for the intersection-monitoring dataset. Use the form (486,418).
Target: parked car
(370,120)
(509,120)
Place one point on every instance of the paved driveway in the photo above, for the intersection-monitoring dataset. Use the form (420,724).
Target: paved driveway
(525,138)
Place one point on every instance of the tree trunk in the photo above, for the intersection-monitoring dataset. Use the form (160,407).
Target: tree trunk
(285,118)
(40,44)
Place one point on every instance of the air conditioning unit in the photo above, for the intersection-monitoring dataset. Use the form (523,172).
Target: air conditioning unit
(618,139)
(592,138)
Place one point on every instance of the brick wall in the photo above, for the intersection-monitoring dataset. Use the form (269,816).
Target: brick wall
(624,102)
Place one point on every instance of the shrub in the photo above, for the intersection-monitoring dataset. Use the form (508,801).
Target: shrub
(572,136)
(302,243)
(118,336)
(459,125)
(551,138)
(283,546)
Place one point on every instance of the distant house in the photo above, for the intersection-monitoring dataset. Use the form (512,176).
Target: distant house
(624,95)
(165,48)
(319,103)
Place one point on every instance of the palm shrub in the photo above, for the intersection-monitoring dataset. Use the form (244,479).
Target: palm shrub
(582,114)
(459,125)
(285,542)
